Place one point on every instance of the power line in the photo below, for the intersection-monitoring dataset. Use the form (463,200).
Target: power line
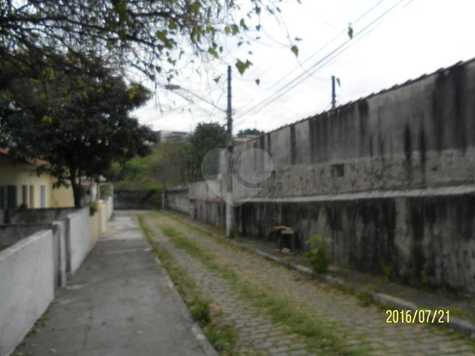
(318,65)
(333,39)
(314,67)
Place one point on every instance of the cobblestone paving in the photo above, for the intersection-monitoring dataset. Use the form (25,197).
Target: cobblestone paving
(361,324)
(256,334)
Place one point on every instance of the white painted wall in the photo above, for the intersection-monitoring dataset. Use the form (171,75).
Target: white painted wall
(26,287)
(80,240)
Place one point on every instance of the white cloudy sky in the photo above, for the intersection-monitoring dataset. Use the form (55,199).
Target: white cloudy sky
(413,38)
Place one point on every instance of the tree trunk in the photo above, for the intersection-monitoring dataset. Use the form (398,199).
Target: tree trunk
(77,189)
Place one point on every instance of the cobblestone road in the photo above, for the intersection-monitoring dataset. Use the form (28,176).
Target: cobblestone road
(257,334)
(361,325)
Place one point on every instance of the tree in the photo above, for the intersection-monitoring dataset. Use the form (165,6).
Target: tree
(166,166)
(206,138)
(149,35)
(77,121)
(248,132)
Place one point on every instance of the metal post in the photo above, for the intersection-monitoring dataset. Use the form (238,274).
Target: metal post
(229,168)
(333,92)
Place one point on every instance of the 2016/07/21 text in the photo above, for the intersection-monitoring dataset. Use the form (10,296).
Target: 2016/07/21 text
(419,316)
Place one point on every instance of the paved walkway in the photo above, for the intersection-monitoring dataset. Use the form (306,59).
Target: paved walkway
(120,302)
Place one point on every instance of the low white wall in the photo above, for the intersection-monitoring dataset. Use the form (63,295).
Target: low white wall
(26,287)
(110,207)
(60,231)
(80,240)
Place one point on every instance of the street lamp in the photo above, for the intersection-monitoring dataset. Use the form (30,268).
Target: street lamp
(176,87)
(229,164)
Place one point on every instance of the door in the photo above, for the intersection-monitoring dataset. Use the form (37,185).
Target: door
(31,205)
(43,196)
(11,197)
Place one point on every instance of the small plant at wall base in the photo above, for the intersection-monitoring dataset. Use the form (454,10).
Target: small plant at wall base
(318,254)
(93,208)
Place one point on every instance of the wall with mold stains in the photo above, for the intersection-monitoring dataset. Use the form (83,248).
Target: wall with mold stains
(420,134)
(389,180)
(416,240)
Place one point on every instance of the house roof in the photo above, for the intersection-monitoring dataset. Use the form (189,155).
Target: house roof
(4,152)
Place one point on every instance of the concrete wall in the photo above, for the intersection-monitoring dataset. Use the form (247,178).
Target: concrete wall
(11,234)
(177,199)
(418,135)
(26,286)
(389,180)
(419,240)
(35,258)
(80,239)
(37,216)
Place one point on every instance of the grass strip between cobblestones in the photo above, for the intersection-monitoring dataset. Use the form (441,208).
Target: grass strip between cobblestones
(319,336)
(363,296)
(222,337)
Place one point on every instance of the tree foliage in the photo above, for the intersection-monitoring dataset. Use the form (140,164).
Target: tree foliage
(247,132)
(75,119)
(149,35)
(205,140)
(166,166)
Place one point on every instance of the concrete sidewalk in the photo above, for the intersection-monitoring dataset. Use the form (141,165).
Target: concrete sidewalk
(120,302)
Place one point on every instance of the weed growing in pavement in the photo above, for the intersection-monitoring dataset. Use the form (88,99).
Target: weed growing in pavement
(222,337)
(318,254)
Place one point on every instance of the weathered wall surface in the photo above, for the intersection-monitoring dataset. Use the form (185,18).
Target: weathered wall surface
(36,216)
(418,240)
(80,239)
(26,286)
(11,234)
(419,135)
(207,203)
(389,180)
(177,199)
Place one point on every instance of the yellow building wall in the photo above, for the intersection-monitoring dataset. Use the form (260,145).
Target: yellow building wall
(20,174)
(61,197)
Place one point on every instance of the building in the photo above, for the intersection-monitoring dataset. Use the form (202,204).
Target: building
(171,136)
(20,185)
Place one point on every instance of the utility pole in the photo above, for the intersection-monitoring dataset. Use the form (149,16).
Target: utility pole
(333,92)
(229,165)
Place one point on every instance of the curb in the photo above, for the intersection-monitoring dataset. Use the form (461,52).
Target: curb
(195,328)
(460,325)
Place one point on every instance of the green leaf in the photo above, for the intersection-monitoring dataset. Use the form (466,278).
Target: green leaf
(195,7)
(213,52)
(243,66)
(295,50)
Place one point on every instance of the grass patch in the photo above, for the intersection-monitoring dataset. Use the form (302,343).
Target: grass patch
(222,337)
(317,334)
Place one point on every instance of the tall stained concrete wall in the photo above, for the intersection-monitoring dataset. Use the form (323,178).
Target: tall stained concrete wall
(388,180)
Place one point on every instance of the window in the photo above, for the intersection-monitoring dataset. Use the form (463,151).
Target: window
(43,196)
(3,197)
(32,197)
(24,195)
(11,197)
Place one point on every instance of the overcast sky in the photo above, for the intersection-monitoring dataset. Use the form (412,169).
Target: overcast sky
(412,38)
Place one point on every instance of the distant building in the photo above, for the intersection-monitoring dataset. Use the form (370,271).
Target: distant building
(244,138)
(171,136)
